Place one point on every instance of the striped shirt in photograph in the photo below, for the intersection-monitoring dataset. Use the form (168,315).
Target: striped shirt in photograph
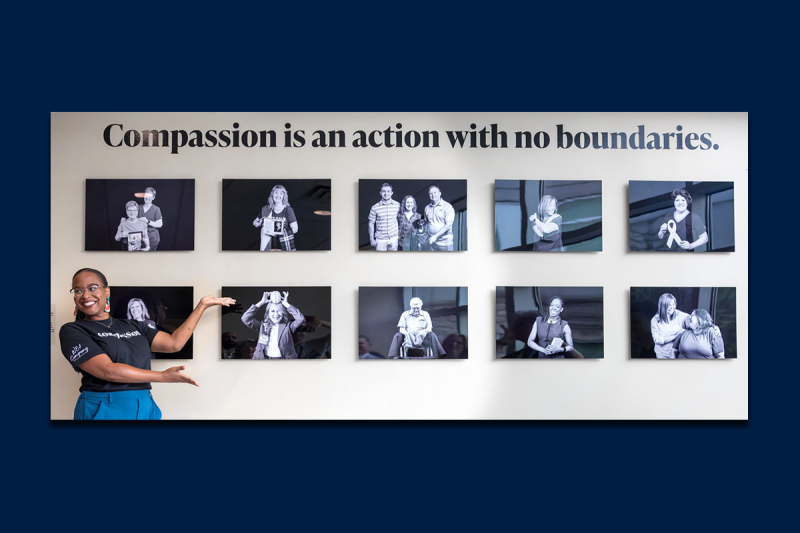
(384,214)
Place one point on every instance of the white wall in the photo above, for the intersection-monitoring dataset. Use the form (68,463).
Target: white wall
(346,388)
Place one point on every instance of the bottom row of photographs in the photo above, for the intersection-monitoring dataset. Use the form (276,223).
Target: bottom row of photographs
(432,322)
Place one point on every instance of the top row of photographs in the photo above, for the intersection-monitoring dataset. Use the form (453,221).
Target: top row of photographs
(408,215)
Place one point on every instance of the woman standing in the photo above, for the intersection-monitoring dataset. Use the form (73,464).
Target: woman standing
(277,222)
(682,225)
(547,226)
(138,311)
(666,326)
(151,215)
(113,356)
(275,333)
(553,334)
(405,223)
(132,231)
(700,341)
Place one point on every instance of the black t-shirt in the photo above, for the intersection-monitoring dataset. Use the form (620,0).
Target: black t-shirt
(126,341)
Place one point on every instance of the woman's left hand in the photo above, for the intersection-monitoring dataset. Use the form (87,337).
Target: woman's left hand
(211,301)
(286,298)
(686,245)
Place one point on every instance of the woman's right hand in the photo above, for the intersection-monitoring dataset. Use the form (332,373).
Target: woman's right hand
(257,222)
(174,375)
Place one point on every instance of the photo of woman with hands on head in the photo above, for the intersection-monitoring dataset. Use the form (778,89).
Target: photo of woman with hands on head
(275,332)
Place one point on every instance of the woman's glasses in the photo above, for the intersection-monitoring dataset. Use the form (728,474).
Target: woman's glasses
(91,289)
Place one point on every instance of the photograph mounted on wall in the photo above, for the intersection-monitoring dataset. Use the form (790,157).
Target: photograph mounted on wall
(683,323)
(160,308)
(681,216)
(412,215)
(549,323)
(277,323)
(276,215)
(412,323)
(548,215)
(139,215)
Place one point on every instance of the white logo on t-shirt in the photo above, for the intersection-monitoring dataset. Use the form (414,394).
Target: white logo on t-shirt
(77,352)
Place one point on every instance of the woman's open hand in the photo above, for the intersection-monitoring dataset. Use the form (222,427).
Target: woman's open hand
(211,301)
(174,375)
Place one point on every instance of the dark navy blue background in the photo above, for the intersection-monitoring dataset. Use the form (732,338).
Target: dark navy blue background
(397,476)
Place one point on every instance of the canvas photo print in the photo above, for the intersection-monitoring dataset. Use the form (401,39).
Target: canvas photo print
(683,323)
(412,215)
(139,215)
(160,308)
(412,323)
(277,322)
(548,215)
(549,323)
(681,216)
(271,215)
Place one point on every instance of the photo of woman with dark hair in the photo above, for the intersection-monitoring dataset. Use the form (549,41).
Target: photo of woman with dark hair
(553,334)
(407,231)
(113,355)
(278,222)
(700,340)
(151,215)
(132,231)
(455,346)
(547,226)
(669,324)
(275,333)
(682,226)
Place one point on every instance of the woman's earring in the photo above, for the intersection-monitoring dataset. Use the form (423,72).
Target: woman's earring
(75,312)
(108,305)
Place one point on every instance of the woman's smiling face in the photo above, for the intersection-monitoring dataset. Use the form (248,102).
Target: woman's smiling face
(275,314)
(680,203)
(409,204)
(136,310)
(556,306)
(93,298)
(277,196)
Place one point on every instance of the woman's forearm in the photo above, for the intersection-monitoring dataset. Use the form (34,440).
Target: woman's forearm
(122,373)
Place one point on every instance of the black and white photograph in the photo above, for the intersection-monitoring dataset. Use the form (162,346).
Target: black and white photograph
(277,323)
(412,215)
(138,215)
(549,323)
(160,308)
(548,216)
(412,323)
(683,322)
(681,216)
(276,215)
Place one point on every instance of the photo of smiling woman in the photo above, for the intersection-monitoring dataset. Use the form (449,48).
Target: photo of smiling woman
(132,231)
(290,215)
(277,222)
(681,216)
(113,355)
(548,215)
(675,334)
(145,229)
(549,323)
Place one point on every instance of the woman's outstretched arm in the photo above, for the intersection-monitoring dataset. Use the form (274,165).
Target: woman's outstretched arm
(173,342)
